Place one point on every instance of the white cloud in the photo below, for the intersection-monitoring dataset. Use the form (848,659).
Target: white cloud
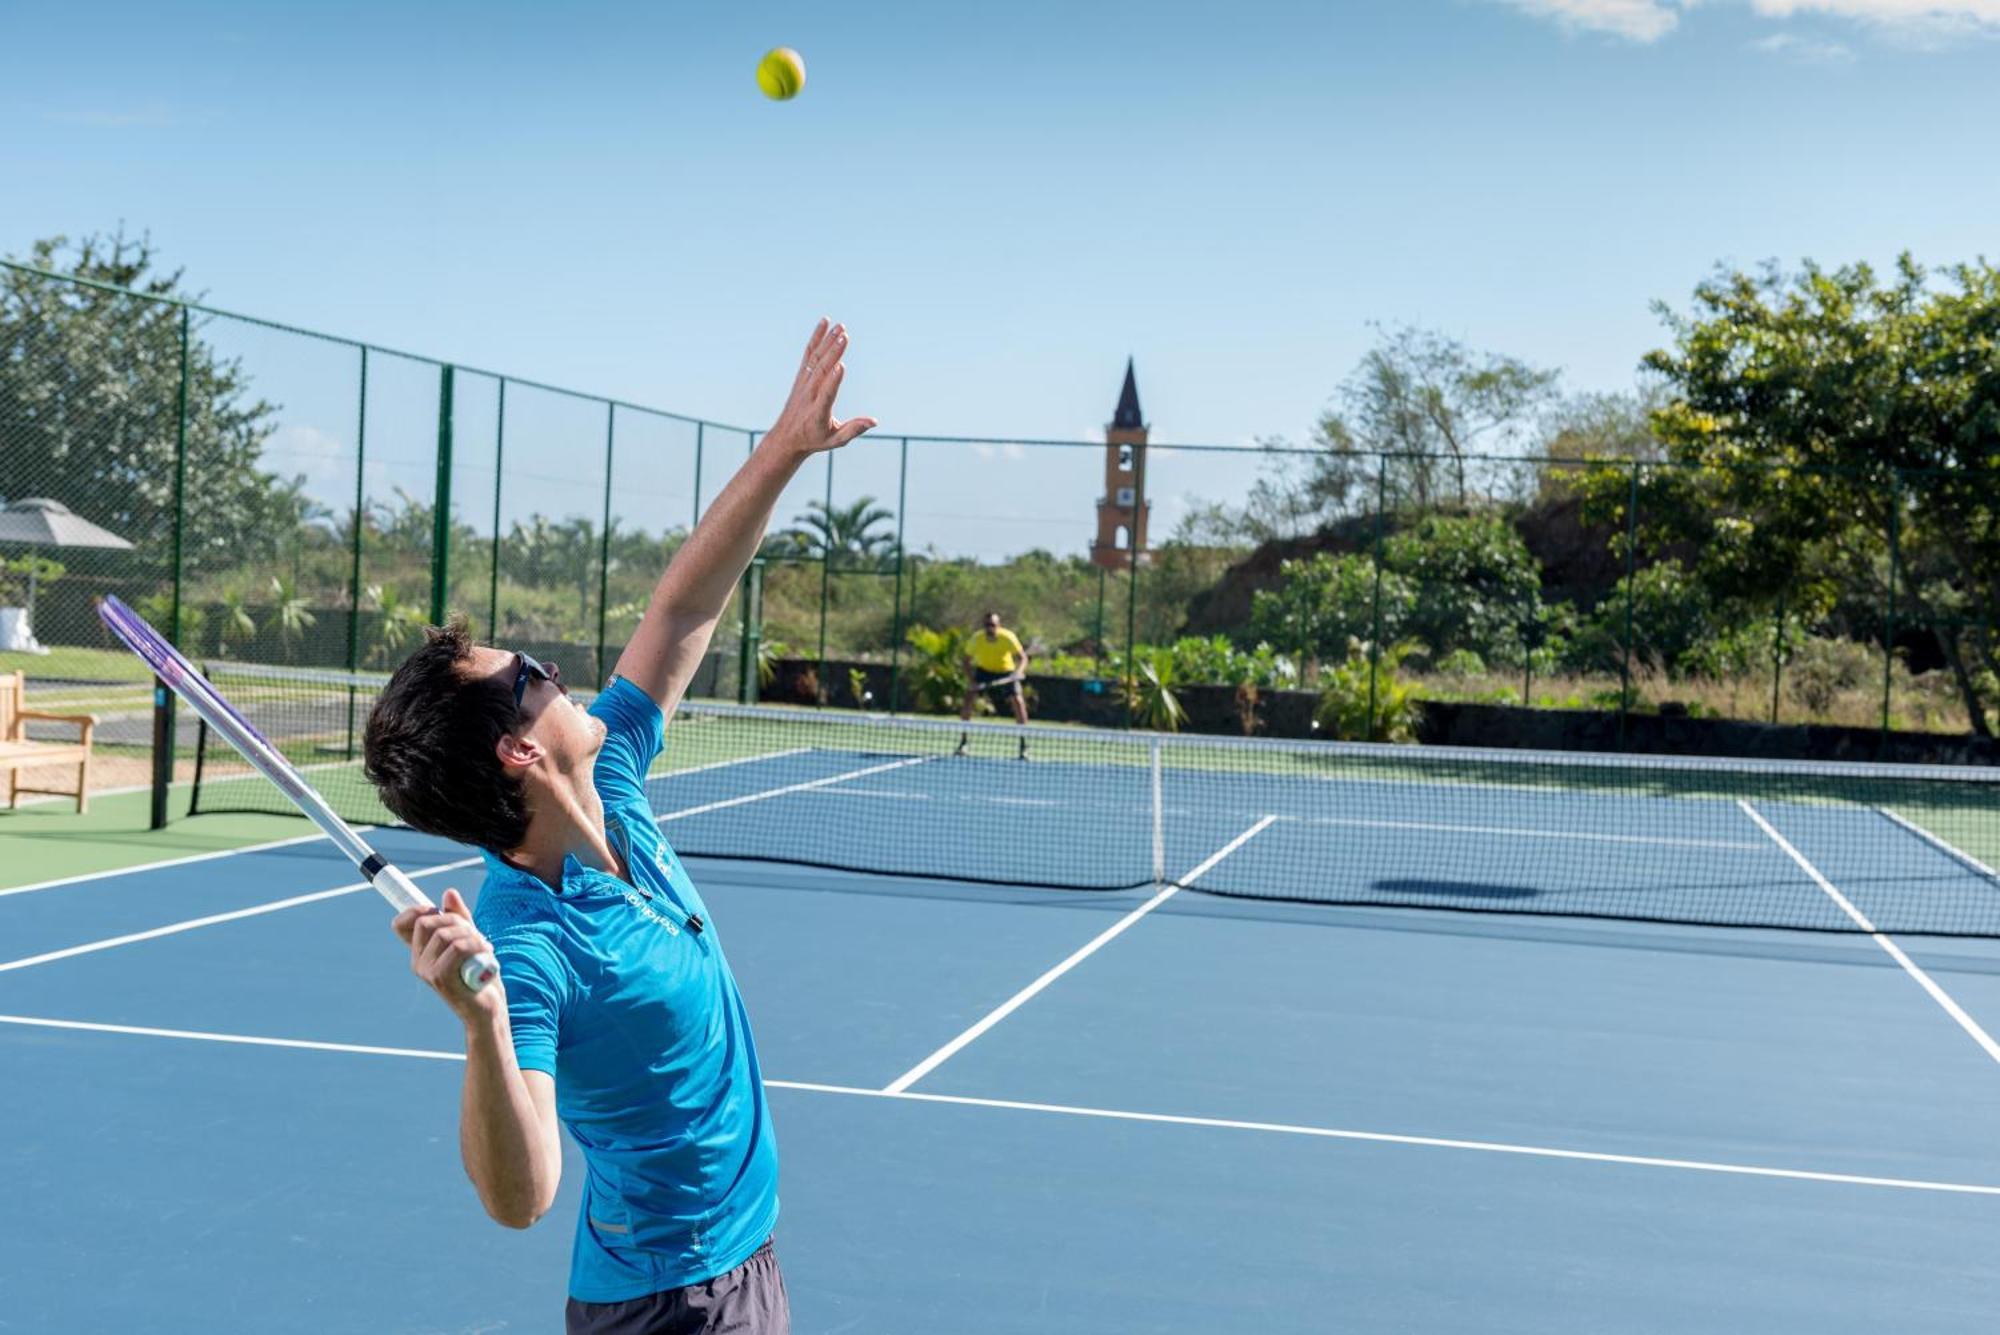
(1008,451)
(1804,50)
(1635,20)
(1922,23)
(1928,23)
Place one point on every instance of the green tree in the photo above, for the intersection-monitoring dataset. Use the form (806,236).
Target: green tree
(1430,405)
(89,410)
(1325,605)
(859,535)
(1827,428)
(1476,585)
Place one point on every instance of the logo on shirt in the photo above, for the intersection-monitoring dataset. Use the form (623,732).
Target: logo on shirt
(648,912)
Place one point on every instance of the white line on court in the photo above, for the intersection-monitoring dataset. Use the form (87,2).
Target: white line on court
(725,764)
(1015,1002)
(1944,846)
(1345,822)
(247,1040)
(255,910)
(168,862)
(1108,1114)
(111,872)
(807,786)
(1895,952)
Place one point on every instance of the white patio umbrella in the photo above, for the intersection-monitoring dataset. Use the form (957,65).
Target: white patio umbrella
(40,522)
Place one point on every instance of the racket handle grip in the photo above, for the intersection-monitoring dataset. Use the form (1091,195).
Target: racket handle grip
(478,971)
(402,893)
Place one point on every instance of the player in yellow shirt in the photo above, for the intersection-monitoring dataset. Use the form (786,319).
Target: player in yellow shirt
(995,658)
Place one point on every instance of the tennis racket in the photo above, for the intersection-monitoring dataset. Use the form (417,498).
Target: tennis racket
(1011,679)
(188,683)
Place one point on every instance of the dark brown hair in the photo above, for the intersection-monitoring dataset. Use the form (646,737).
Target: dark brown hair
(430,745)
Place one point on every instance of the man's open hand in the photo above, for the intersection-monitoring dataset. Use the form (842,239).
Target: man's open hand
(807,423)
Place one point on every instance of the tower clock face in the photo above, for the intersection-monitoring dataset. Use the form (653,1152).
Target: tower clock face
(1126,496)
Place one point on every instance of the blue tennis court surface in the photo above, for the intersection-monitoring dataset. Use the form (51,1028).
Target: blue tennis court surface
(228,1106)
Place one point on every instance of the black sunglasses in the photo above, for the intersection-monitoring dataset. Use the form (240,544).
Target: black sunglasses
(531,670)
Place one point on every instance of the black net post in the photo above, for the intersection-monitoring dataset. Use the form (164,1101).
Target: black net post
(163,699)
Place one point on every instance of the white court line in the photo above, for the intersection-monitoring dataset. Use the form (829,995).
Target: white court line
(247,1040)
(1015,1002)
(1109,1114)
(255,910)
(1895,952)
(168,862)
(725,764)
(1347,822)
(1944,846)
(707,807)
(111,872)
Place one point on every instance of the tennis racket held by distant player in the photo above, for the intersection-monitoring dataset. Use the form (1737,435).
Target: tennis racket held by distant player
(1014,678)
(187,682)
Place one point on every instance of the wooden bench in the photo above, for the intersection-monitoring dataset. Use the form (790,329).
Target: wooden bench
(17,752)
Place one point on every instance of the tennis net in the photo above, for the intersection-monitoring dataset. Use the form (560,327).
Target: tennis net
(1827,847)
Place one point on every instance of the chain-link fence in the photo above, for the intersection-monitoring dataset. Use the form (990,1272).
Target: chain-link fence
(275,496)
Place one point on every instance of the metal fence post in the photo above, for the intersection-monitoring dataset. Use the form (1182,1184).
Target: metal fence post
(700,429)
(896,628)
(604,538)
(441,504)
(1631,566)
(354,555)
(751,633)
(1778,656)
(1375,615)
(1889,609)
(825,578)
(499,472)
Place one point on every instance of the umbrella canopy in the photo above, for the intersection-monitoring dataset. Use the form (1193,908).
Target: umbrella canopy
(40,522)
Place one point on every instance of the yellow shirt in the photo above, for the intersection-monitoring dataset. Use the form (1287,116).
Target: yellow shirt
(998,652)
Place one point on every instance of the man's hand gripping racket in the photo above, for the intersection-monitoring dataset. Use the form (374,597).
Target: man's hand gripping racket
(186,682)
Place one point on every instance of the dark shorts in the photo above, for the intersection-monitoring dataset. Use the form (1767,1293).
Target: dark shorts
(981,679)
(749,1300)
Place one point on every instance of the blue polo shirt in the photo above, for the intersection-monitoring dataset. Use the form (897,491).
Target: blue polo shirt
(613,991)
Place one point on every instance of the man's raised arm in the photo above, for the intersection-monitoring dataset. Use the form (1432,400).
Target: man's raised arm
(680,620)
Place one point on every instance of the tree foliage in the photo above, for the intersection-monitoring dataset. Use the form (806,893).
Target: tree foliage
(90,410)
(1828,431)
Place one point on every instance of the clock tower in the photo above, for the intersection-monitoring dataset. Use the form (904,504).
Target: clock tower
(1122,509)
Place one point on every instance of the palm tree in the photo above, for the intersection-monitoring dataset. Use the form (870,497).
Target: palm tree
(854,536)
(401,620)
(293,614)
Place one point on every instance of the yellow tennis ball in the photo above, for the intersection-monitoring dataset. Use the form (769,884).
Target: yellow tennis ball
(781,74)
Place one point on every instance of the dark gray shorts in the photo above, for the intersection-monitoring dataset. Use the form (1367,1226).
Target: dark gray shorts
(749,1300)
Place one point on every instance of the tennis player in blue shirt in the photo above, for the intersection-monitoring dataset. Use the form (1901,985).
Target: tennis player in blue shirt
(615,1014)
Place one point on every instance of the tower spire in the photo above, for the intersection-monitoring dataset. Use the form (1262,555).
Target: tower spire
(1127,417)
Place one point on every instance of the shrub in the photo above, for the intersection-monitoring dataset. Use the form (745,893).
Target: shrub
(1476,586)
(1343,710)
(938,676)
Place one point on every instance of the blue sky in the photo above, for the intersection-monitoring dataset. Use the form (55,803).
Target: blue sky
(1003,202)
